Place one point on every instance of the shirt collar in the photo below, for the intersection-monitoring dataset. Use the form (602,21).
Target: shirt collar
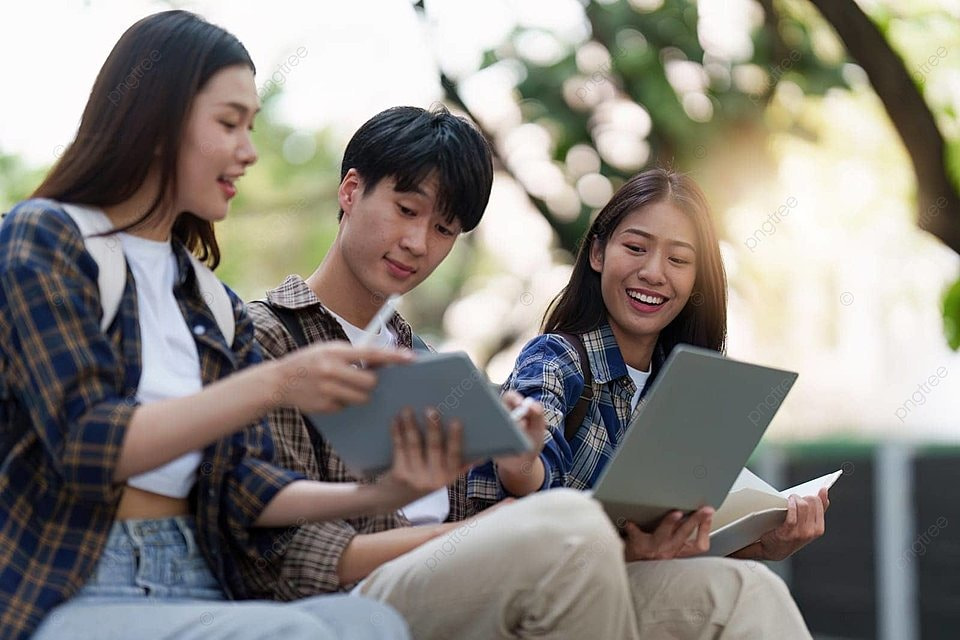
(294,293)
(606,361)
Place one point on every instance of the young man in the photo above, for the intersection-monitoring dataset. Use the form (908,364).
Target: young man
(412,181)
(547,565)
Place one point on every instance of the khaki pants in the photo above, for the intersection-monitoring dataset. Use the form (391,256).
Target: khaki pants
(548,566)
(700,598)
(551,566)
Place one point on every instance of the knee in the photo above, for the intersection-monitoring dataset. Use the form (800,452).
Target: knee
(570,523)
(758,577)
(567,511)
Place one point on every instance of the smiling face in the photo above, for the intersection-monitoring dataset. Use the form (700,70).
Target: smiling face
(217,148)
(647,269)
(391,240)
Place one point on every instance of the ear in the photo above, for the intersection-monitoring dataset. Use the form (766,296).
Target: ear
(351,188)
(596,255)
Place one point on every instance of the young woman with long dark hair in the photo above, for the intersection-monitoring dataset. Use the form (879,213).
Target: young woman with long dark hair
(647,277)
(137,477)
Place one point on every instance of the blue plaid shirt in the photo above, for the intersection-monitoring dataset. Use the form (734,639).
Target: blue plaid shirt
(548,369)
(67,392)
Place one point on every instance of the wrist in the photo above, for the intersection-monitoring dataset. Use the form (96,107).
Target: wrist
(272,388)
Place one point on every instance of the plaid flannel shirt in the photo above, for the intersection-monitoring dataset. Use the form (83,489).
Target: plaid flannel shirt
(548,370)
(67,392)
(309,561)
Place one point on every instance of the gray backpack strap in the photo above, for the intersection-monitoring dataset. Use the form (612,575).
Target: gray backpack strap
(108,254)
(214,293)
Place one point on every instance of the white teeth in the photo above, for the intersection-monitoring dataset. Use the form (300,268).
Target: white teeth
(642,297)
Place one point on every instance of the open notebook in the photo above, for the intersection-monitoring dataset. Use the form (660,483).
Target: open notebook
(753,507)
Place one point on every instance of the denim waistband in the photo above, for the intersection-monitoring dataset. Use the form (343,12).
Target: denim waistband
(178,531)
(152,558)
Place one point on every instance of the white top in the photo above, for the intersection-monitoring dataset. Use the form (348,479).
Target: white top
(432,508)
(640,379)
(171,364)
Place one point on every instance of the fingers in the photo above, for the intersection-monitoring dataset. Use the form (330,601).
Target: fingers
(377,357)
(340,394)
(791,520)
(454,450)
(825,498)
(700,519)
(436,461)
(666,528)
(511,399)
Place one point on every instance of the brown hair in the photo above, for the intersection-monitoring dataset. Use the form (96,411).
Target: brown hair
(579,307)
(135,117)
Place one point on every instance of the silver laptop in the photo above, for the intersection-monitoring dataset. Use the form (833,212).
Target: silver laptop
(694,432)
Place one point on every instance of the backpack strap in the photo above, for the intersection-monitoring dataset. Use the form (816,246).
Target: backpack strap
(288,318)
(579,412)
(214,294)
(106,252)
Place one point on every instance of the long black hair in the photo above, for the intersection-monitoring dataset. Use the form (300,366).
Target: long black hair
(135,118)
(579,307)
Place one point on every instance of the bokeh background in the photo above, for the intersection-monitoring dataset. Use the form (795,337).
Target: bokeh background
(825,132)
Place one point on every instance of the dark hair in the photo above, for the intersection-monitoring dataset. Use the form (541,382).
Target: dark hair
(136,115)
(703,321)
(409,144)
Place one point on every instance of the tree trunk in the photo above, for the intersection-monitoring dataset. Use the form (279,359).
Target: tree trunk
(937,196)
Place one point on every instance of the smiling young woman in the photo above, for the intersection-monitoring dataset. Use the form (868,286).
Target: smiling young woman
(648,276)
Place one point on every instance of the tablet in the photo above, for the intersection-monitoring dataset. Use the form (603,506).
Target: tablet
(448,381)
(691,435)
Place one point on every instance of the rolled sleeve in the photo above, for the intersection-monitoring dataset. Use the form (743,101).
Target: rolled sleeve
(545,371)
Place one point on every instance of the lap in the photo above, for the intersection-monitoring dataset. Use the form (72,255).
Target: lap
(334,617)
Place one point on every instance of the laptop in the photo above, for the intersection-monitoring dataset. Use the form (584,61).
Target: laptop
(691,437)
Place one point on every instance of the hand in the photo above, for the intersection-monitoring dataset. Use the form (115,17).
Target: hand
(421,466)
(803,525)
(534,426)
(671,538)
(323,377)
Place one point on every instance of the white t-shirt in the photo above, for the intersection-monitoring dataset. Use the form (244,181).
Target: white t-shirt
(171,365)
(434,507)
(640,379)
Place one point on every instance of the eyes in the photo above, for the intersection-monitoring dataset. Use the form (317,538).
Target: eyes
(443,230)
(231,126)
(639,250)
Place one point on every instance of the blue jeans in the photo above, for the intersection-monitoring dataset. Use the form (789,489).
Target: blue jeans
(152,583)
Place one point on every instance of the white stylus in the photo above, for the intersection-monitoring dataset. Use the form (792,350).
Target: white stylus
(522,409)
(378,322)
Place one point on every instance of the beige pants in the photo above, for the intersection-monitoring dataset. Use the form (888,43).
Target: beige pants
(551,566)
(699,598)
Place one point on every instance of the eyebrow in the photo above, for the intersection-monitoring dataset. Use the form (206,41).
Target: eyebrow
(242,108)
(650,236)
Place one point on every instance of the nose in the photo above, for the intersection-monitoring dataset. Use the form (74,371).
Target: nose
(414,238)
(652,269)
(246,151)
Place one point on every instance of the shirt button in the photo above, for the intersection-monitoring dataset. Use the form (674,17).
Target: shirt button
(199,329)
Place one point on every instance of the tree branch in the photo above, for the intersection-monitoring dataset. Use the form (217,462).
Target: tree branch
(937,196)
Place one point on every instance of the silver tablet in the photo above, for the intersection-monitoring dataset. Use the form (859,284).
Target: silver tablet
(448,381)
(694,432)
